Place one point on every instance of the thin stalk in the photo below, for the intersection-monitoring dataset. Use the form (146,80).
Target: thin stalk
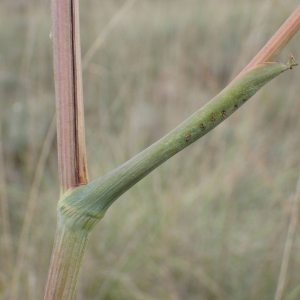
(68,92)
(277,42)
(288,244)
(106,31)
(7,242)
(31,206)
(80,148)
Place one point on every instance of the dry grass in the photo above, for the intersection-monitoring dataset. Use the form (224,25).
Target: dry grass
(212,222)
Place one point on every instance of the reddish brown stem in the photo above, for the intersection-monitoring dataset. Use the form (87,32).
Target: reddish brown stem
(68,90)
(279,40)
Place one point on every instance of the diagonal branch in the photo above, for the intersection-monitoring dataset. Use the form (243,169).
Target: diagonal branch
(277,42)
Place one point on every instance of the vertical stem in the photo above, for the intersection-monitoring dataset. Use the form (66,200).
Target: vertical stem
(81,164)
(69,247)
(31,206)
(7,243)
(68,92)
(70,242)
(288,244)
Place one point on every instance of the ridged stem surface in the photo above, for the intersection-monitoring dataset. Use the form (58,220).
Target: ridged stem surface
(68,250)
(68,94)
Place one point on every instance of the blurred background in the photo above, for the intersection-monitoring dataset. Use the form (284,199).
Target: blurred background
(212,222)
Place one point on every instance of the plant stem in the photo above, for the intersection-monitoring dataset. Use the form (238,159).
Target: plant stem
(288,243)
(68,92)
(7,242)
(86,205)
(31,206)
(106,31)
(277,42)
(70,243)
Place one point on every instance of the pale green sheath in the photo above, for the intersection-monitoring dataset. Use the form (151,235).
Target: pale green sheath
(86,205)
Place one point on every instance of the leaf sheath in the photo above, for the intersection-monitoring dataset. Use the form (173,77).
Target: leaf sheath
(86,205)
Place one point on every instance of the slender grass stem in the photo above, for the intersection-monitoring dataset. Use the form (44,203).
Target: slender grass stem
(31,205)
(5,220)
(105,32)
(288,243)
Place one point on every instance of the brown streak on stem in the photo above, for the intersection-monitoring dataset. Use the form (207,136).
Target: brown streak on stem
(68,90)
(81,165)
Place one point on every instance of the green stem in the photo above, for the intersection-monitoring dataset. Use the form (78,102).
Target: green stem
(68,250)
(86,205)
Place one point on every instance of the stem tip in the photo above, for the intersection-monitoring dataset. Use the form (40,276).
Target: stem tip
(292,63)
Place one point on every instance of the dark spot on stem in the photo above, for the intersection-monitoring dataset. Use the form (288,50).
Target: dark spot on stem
(202,127)
(235,106)
(224,114)
(213,118)
(245,99)
(187,137)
